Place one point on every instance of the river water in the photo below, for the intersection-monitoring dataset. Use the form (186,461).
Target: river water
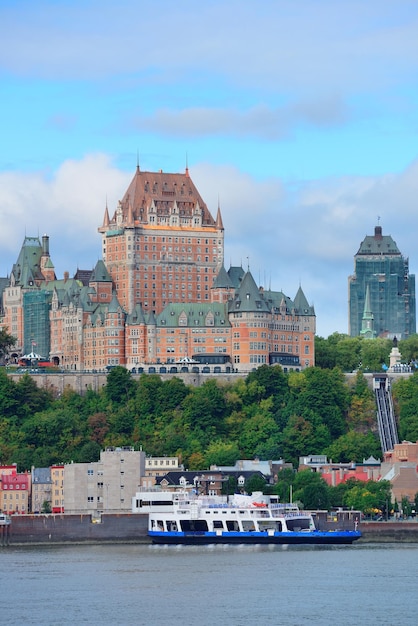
(237,585)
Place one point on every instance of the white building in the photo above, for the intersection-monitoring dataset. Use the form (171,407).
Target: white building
(106,486)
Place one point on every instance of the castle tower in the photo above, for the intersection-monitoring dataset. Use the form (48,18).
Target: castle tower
(162,244)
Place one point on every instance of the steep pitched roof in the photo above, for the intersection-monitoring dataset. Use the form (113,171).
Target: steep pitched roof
(301,305)
(236,274)
(248,297)
(114,305)
(378,244)
(222,280)
(27,270)
(100,273)
(136,317)
(163,191)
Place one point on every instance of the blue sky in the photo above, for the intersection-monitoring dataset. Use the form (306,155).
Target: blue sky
(301,117)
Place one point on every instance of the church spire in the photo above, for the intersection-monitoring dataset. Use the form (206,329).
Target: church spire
(219,222)
(106,219)
(367,321)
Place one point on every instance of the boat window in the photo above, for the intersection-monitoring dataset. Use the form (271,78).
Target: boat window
(298,524)
(217,523)
(197,525)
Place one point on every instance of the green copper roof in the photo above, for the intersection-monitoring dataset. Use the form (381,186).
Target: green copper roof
(194,315)
(378,244)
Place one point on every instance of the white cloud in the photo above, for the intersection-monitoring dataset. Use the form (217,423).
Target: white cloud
(260,121)
(68,206)
(281,45)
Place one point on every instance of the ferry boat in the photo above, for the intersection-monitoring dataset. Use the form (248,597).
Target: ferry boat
(238,520)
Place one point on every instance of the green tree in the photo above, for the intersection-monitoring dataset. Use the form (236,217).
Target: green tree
(353,446)
(256,482)
(221,453)
(8,401)
(260,434)
(284,484)
(375,352)
(206,407)
(405,395)
(409,348)
(31,398)
(348,352)
(46,507)
(120,385)
(304,436)
(325,353)
(369,497)
(268,382)
(311,490)
(7,341)
(406,507)
(89,452)
(323,393)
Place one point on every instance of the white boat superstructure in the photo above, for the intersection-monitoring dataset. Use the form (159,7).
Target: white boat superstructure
(182,517)
(236,514)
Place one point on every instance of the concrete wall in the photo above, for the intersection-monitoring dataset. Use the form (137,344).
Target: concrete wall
(80,382)
(124,527)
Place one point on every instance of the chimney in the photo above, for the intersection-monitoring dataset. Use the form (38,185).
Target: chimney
(66,276)
(45,244)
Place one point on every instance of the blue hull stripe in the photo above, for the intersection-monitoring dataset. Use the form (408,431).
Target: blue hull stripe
(313,537)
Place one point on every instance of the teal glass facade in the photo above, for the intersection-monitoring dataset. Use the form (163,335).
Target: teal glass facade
(380,266)
(36,326)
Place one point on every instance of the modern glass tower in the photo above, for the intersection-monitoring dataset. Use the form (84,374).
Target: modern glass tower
(381,283)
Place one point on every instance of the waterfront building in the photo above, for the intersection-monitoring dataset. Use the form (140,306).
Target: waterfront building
(41,489)
(381,290)
(6,470)
(336,473)
(57,485)
(104,486)
(160,465)
(15,490)
(401,468)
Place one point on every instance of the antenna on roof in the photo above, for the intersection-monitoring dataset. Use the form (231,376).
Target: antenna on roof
(187,164)
(137,160)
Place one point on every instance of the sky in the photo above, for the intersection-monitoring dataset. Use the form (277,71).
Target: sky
(298,117)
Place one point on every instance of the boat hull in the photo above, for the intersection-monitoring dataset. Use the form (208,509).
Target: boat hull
(288,538)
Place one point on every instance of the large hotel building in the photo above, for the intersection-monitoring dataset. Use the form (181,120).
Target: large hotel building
(161,295)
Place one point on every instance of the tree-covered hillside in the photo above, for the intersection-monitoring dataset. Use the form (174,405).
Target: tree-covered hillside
(269,415)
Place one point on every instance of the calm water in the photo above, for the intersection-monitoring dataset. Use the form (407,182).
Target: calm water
(239,585)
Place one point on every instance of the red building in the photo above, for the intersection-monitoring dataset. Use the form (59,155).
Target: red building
(15,492)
